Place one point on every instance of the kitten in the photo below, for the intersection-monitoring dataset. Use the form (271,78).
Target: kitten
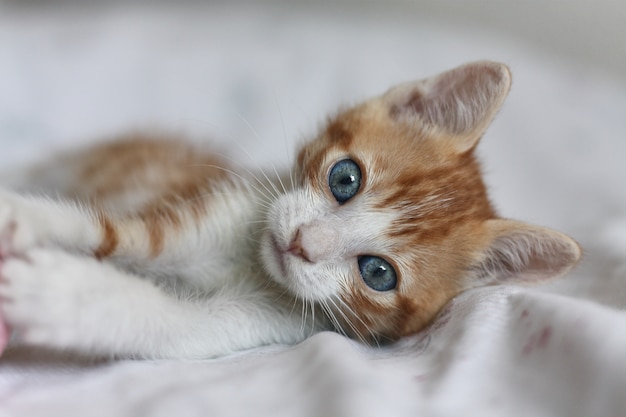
(159,250)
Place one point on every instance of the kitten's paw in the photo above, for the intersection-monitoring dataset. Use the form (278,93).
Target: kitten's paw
(16,230)
(43,295)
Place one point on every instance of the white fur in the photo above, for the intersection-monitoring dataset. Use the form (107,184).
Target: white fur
(222,303)
(26,222)
(67,301)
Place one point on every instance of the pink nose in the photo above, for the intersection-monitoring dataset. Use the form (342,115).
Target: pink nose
(316,242)
(296,248)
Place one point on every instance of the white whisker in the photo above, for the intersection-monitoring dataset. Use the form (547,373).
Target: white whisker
(354,314)
(313,319)
(279,180)
(356,332)
(289,158)
(333,318)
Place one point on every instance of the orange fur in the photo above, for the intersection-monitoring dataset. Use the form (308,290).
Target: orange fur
(109,239)
(437,241)
(158,180)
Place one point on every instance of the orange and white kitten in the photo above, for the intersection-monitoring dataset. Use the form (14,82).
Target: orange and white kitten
(152,248)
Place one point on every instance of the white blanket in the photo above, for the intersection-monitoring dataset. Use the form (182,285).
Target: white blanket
(260,80)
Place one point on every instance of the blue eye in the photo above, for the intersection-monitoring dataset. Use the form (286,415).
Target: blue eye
(377,273)
(344,180)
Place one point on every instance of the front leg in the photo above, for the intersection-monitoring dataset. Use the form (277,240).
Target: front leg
(60,300)
(26,222)
(160,243)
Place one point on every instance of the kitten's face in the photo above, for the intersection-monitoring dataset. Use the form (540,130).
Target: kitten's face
(390,218)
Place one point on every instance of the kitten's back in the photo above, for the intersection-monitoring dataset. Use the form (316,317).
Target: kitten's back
(129,174)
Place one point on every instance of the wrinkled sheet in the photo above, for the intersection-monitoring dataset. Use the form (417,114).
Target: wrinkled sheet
(263,79)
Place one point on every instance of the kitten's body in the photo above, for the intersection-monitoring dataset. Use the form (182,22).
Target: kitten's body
(156,249)
(187,225)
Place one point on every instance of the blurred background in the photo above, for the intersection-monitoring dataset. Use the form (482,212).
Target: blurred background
(582,29)
(259,77)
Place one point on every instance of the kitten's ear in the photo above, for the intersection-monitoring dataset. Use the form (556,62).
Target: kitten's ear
(460,102)
(523,253)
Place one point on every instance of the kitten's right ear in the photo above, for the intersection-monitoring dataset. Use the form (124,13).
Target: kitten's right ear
(459,103)
(518,252)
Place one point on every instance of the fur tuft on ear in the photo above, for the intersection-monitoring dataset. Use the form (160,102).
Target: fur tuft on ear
(460,102)
(522,253)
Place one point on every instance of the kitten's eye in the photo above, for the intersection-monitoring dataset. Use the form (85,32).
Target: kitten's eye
(377,273)
(344,180)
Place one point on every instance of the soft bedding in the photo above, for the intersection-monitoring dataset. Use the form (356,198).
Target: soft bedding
(256,80)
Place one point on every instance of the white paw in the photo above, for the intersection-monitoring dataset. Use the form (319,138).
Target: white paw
(16,229)
(43,295)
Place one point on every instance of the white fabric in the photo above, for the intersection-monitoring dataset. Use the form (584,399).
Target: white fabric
(266,77)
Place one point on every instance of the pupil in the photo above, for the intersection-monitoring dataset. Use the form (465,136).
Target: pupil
(348,180)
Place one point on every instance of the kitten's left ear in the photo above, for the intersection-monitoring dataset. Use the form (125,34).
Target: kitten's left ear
(459,103)
(520,252)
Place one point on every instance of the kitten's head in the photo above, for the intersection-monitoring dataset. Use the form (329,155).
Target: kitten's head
(391,219)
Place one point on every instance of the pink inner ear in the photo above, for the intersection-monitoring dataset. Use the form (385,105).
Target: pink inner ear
(526,253)
(461,102)
(466,98)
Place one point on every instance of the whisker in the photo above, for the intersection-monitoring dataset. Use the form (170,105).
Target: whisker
(348,321)
(230,171)
(274,194)
(333,318)
(264,205)
(305,314)
(353,313)
(271,196)
(311,322)
(293,307)
(256,221)
(291,179)
(279,180)
(282,123)
(237,163)
(258,137)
